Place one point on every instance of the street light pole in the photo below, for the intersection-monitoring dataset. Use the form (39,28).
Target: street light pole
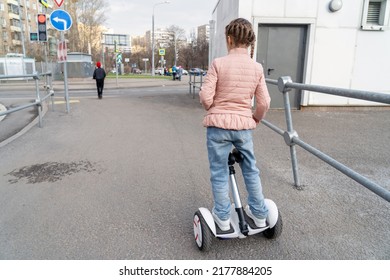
(160,3)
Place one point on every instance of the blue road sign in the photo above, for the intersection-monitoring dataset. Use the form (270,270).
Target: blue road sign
(61,20)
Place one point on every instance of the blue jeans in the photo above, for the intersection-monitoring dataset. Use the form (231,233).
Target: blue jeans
(219,145)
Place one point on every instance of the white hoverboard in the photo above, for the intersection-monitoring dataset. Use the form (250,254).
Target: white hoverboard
(241,225)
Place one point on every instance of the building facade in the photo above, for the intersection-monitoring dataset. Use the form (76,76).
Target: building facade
(17,19)
(203,33)
(337,43)
(162,38)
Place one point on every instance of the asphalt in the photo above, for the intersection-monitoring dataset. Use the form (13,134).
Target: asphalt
(18,123)
(120,178)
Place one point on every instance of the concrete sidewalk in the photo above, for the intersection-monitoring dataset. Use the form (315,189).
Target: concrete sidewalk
(90,84)
(20,122)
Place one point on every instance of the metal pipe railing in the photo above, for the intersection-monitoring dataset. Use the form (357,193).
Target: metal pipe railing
(291,136)
(193,84)
(38,101)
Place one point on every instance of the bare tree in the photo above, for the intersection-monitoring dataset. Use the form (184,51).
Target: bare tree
(179,38)
(202,53)
(89,18)
(195,55)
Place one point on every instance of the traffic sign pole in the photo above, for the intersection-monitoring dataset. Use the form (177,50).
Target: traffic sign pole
(116,65)
(65,76)
(62,21)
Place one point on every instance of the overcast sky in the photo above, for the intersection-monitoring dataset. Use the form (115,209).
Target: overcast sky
(134,17)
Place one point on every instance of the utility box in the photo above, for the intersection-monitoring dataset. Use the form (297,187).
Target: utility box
(16,64)
(79,65)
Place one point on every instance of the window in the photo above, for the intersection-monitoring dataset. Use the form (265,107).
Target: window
(375,15)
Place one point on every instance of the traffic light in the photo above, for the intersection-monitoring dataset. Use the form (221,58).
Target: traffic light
(42,32)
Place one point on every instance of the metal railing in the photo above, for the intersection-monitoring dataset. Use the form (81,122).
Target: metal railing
(194,84)
(38,100)
(291,138)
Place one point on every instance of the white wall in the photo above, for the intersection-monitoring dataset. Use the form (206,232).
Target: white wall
(339,53)
(225,12)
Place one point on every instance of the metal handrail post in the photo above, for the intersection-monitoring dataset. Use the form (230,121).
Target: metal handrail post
(290,133)
(190,84)
(51,90)
(38,100)
(193,87)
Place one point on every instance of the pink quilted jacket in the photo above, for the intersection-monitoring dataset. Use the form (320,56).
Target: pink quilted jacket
(228,89)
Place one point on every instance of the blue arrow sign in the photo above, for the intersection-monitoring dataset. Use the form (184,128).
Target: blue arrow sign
(61,20)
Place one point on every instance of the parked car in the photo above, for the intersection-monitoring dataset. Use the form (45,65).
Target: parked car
(136,71)
(185,72)
(159,71)
(197,72)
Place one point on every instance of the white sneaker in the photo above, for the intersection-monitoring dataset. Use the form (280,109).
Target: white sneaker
(258,222)
(223,225)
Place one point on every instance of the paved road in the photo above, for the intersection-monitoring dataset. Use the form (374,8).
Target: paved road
(120,178)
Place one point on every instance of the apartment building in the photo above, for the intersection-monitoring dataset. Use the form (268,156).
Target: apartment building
(203,33)
(17,20)
(162,38)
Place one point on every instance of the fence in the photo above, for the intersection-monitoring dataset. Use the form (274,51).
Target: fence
(194,84)
(291,136)
(38,101)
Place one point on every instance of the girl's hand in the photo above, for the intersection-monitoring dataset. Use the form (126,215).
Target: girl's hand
(256,120)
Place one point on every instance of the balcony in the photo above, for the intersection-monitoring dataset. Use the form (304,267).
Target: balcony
(13,16)
(15,28)
(16,42)
(13,2)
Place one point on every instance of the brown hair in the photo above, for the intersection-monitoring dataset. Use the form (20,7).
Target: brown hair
(242,34)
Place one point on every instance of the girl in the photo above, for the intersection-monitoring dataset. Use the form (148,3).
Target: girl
(231,83)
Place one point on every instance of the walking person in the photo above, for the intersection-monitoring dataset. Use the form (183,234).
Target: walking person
(174,72)
(227,92)
(179,72)
(99,75)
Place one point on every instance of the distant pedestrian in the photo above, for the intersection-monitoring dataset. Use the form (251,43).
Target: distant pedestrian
(99,75)
(179,72)
(174,72)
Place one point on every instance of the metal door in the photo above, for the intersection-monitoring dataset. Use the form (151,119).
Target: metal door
(281,51)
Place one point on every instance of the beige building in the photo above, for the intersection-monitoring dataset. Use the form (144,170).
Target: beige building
(17,19)
(162,38)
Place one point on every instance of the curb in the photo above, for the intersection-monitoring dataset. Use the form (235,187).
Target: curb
(2,109)
(26,128)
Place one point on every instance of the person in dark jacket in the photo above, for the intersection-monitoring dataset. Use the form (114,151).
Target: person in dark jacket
(99,75)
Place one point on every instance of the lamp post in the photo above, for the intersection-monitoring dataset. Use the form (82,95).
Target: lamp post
(160,3)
